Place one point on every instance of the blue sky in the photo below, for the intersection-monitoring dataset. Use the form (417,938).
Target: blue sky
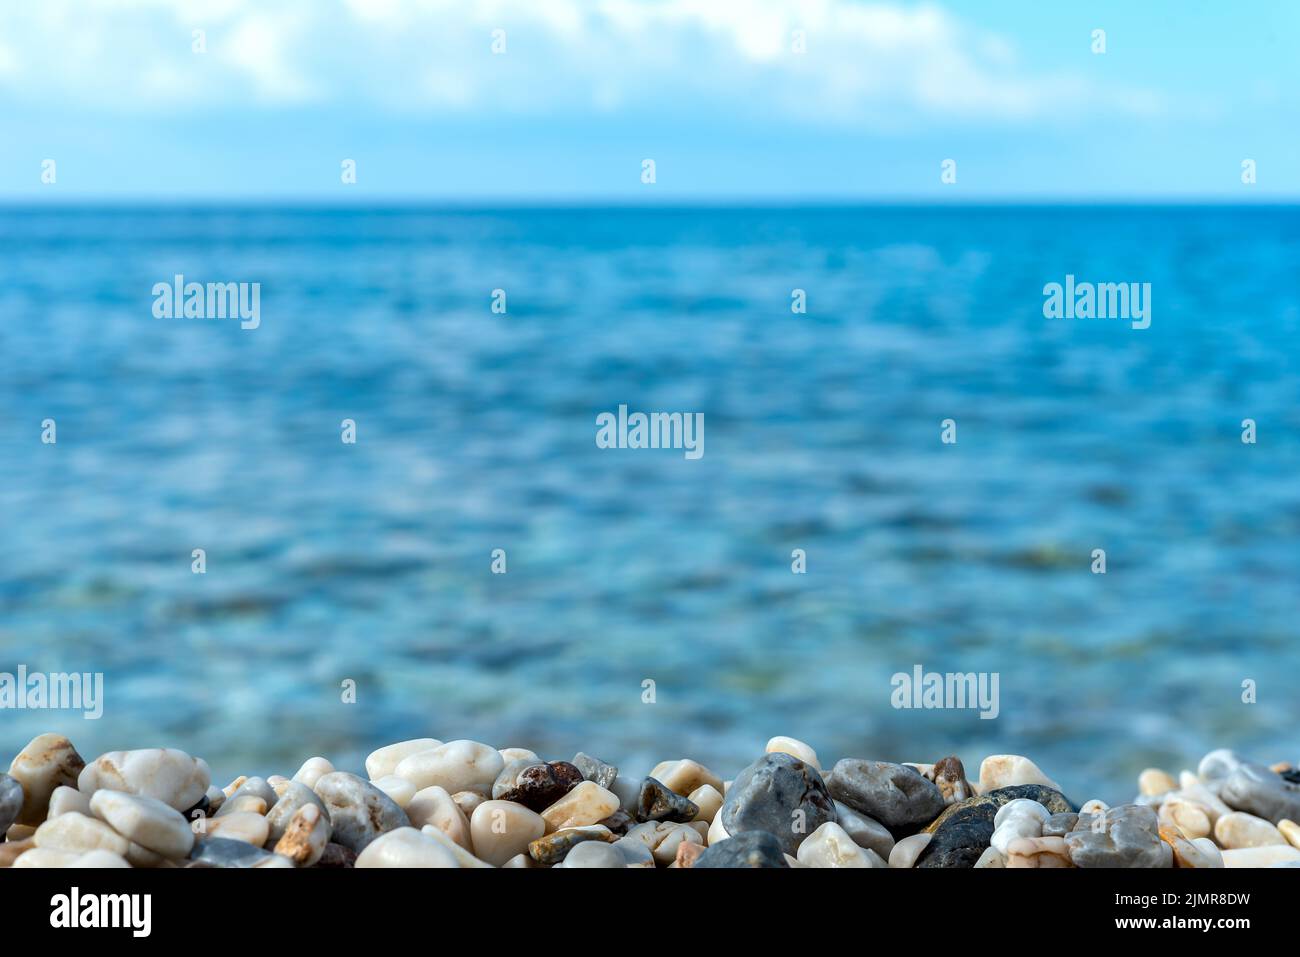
(712,90)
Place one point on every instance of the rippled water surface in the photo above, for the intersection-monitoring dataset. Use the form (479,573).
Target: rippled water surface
(476,431)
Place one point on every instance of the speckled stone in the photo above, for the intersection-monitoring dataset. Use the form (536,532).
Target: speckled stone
(949,776)
(292,796)
(552,848)
(894,794)
(963,831)
(1061,824)
(1124,836)
(746,849)
(1257,790)
(656,803)
(541,785)
(47,762)
(781,795)
(359,812)
(594,769)
(165,774)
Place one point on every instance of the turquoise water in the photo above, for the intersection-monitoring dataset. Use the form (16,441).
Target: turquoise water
(476,431)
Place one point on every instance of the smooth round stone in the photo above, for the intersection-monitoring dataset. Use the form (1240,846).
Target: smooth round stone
(463,857)
(516,754)
(949,776)
(628,790)
(293,796)
(636,853)
(100,859)
(684,775)
(552,848)
(311,771)
(254,796)
(716,832)
(893,794)
(1015,821)
(1153,781)
(46,857)
(234,785)
(11,800)
(384,761)
(1191,818)
(1008,770)
(658,803)
(594,769)
(1191,788)
(779,794)
(593,854)
(1218,764)
(1201,853)
(746,849)
(663,838)
(467,801)
(304,836)
(1021,807)
(1262,792)
(1239,829)
(359,812)
(1290,830)
(65,799)
(508,779)
(865,831)
(146,821)
(47,762)
(907,850)
(991,857)
(166,774)
(79,833)
(240,826)
(831,846)
(1038,852)
(501,829)
(538,786)
(794,747)
(1061,824)
(1126,836)
(434,806)
(397,788)
(588,803)
(456,766)
(406,847)
(227,853)
(709,801)
(1248,856)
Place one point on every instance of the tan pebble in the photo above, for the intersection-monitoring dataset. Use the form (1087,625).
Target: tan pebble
(1239,829)
(906,851)
(1007,770)
(406,847)
(1095,806)
(19,832)
(991,857)
(1038,852)
(684,776)
(65,799)
(1153,781)
(47,762)
(687,853)
(1188,853)
(399,789)
(384,761)
(716,832)
(468,801)
(1191,788)
(305,836)
(435,806)
(240,826)
(11,850)
(463,857)
(499,830)
(311,771)
(517,754)
(79,833)
(1191,819)
(588,803)
(234,785)
(792,746)
(709,801)
(1290,830)
(43,857)
(456,766)
(1240,857)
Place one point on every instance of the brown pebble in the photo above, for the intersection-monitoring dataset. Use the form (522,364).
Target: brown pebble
(10,850)
(687,853)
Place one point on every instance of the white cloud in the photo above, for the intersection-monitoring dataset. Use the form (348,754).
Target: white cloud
(866,63)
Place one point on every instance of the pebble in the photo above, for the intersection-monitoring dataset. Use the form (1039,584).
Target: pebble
(100,859)
(593,854)
(305,836)
(594,769)
(1290,830)
(1191,818)
(10,851)
(1218,764)
(47,762)
(463,857)
(406,847)
(311,771)
(79,833)
(456,766)
(552,848)
(709,801)
(291,796)
(166,774)
(907,850)
(1200,853)
(397,788)
(541,785)
(509,777)
(779,794)
(467,801)
(1153,781)
(588,803)
(794,747)
(44,857)
(501,829)
(384,761)
(1253,856)
(1239,829)
(514,754)
(434,806)
(636,853)
(240,826)
(663,838)
(1038,852)
(1190,788)
(65,799)
(1124,836)
(1061,824)
(146,821)
(11,801)
(894,794)
(831,846)
(337,856)
(991,857)
(657,803)
(359,812)
(1095,806)
(865,831)
(746,849)
(1262,792)
(963,831)
(949,776)
(1008,770)
(1017,820)
(688,854)
(254,796)
(684,775)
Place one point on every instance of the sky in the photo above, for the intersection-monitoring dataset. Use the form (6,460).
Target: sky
(563,100)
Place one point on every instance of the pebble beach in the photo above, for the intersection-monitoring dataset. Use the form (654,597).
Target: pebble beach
(428,803)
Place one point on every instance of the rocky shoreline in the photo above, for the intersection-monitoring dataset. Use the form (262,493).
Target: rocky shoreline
(426,803)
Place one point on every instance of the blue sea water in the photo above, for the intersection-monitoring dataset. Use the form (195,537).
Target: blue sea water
(476,431)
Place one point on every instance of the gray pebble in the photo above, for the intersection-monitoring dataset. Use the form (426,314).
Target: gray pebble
(594,769)
(11,801)
(1262,792)
(781,795)
(746,849)
(359,812)
(894,794)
